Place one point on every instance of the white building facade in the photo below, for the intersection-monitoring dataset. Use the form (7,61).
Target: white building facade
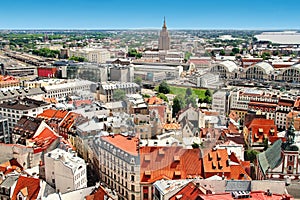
(65,171)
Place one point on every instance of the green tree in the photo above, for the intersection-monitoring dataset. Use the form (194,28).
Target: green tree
(207,99)
(187,56)
(119,95)
(178,104)
(164,88)
(250,155)
(222,52)
(208,93)
(134,53)
(188,92)
(78,59)
(266,55)
(191,100)
(163,97)
(235,50)
(138,80)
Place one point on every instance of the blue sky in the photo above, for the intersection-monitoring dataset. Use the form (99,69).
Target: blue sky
(122,14)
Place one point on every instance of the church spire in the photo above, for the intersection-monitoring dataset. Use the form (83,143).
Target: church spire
(165,25)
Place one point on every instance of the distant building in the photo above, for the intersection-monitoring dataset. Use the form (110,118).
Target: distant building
(93,55)
(164,39)
(14,109)
(220,102)
(121,73)
(107,89)
(8,81)
(4,130)
(92,72)
(65,171)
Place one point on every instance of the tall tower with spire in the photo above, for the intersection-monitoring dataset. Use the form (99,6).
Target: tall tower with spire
(164,39)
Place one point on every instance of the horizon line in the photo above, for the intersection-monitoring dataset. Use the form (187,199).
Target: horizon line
(146,28)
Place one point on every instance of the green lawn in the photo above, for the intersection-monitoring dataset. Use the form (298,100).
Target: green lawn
(181,90)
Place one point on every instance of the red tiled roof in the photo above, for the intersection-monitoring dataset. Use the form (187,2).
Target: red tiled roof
(124,143)
(50,113)
(154,101)
(233,129)
(32,185)
(78,103)
(237,172)
(10,166)
(44,140)
(261,128)
(172,126)
(169,163)
(189,192)
(69,120)
(257,195)
(216,161)
(223,196)
(98,195)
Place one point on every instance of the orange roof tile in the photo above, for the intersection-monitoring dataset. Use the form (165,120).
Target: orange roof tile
(69,120)
(32,186)
(98,195)
(172,126)
(189,192)
(44,140)
(261,128)
(237,172)
(153,100)
(169,163)
(124,143)
(216,161)
(50,113)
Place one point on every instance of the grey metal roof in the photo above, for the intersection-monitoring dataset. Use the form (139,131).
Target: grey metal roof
(266,67)
(271,158)
(229,65)
(9,181)
(237,185)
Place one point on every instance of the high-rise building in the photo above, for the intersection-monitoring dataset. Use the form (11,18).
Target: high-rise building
(164,39)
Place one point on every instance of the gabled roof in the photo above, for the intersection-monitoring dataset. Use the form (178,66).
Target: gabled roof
(189,192)
(99,194)
(10,166)
(169,163)
(31,185)
(270,158)
(216,161)
(154,101)
(50,113)
(43,140)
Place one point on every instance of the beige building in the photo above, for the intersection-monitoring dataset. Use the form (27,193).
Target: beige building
(93,55)
(164,39)
(65,171)
(118,163)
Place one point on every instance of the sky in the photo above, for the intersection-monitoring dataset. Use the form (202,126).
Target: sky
(142,14)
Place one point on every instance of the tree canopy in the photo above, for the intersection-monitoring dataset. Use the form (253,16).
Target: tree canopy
(178,104)
(119,95)
(163,97)
(138,80)
(164,88)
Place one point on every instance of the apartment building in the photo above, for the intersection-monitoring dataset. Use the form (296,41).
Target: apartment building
(13,110)
(65,171)
(93,55)
(116,158)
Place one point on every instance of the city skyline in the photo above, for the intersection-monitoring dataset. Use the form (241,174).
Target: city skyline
(118,14)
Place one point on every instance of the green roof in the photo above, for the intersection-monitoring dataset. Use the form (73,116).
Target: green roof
(271,158)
